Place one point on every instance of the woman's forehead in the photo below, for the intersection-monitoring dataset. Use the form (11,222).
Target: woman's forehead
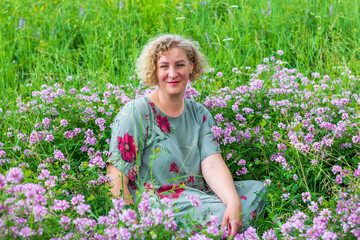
(174,52)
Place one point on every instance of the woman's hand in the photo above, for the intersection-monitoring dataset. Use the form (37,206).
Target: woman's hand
(233,218)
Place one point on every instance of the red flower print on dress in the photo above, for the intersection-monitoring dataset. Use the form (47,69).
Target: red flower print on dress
(163,123)
(243,197)
(148,186)
(147,132)
(132,173)
(204,118)
(191,179)
(170,191)
(253,214)
(127,147)
(174,168)
(132,186)
(152,106)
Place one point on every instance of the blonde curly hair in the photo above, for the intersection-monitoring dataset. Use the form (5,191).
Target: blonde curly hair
(147,62)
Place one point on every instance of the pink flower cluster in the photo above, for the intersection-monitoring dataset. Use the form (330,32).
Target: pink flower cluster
(33,201)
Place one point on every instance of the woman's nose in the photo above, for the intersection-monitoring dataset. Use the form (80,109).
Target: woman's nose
(172,73)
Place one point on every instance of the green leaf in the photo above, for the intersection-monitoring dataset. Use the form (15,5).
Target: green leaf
(90,198)
(263,123)
(28,172)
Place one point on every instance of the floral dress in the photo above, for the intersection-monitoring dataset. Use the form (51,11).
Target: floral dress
(164,153)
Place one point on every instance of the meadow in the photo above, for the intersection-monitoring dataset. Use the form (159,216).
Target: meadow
(283,87)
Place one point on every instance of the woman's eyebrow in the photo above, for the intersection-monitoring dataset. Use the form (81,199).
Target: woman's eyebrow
(163,62)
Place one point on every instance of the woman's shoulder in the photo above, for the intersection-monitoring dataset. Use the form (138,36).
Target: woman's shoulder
(198,112)
(196,107)
(138,106)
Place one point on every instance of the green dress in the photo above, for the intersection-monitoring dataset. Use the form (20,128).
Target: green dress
(164,154)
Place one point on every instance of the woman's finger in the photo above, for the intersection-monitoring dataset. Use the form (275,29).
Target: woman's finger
(234,229)
(224,221)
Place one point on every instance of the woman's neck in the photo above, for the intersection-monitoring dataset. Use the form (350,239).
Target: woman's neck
(172,106)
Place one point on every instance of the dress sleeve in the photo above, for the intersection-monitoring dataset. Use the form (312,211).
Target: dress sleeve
(207,142)
(128,136)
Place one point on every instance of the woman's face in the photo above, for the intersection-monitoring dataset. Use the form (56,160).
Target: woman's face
(173,68)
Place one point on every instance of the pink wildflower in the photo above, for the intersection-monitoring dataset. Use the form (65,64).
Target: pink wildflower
(213,230)
(285,196)
(58,155)
(82,208)
(14,175)
(118,204)
(25,232)
(61,205)
(313,207)
(306,197)
(214,220)
(128,217)
(267,182)
(63,122)
(39,213)
(194,200)
(124,234)
(2,181)
(77,199)
(242,162)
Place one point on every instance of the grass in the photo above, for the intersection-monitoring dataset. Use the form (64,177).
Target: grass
(102,41)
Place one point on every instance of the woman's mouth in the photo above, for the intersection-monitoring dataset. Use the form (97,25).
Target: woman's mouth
(173,83)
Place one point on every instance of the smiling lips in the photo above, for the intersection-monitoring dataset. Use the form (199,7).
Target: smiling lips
(173,83)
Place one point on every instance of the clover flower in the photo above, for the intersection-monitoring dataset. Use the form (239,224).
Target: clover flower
(313,207)
(124,234)
(58,155)
(77,199)
(61,205)
(267,182)
(82,208)
(306,197)
(269,235)
(144,207)
(194,200)
(2,153)
(63,122)
(285,196)
(167,201)
(242,162)
(157,216)
(14,175)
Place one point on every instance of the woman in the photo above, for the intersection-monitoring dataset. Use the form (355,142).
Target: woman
(178,132)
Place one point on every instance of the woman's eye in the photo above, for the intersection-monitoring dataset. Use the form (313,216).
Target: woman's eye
(180,65)
(163,66)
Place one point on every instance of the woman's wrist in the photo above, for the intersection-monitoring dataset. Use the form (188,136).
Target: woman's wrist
(233,201)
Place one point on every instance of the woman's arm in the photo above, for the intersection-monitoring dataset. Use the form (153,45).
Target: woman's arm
(218,177)
(120,182)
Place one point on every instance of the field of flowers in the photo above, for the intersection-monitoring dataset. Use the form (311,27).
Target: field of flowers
(289,118)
